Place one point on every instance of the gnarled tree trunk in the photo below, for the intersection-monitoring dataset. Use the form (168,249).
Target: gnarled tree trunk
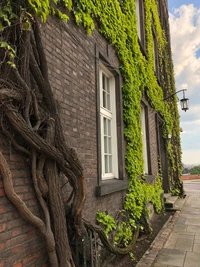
(30,111)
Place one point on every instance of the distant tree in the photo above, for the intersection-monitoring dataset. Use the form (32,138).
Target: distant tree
(195,170)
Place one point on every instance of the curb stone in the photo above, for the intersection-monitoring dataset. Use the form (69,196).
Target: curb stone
(150,255)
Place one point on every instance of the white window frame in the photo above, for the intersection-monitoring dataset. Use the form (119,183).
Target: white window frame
(144,139)
(109,115)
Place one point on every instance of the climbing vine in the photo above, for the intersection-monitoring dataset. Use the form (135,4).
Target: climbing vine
(118,24)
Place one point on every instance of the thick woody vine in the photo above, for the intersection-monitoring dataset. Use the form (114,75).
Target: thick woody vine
(29,111)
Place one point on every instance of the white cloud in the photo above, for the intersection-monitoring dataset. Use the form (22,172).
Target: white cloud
(191,157)
(190,122)
(189,132)
(185,40)
(193,114)
(185,37)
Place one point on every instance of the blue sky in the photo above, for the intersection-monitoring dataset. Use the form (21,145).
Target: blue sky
(184,17)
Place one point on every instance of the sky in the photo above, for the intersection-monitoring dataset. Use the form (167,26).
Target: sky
(184,19)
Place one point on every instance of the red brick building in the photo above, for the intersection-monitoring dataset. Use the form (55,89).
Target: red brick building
(80,66)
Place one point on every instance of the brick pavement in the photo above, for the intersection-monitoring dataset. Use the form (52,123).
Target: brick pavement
(178,243)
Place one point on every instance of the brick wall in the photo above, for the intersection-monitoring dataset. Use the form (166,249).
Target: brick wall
(71,59)
(190,177)
(20,242)
(74,83)
(72,72)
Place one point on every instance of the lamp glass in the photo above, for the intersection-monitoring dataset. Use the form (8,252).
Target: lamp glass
(184,104)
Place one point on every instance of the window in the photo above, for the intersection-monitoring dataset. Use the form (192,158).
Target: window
(155,53)
(110,128)
(145,139)
(160,5)
(109,147)
(137,3)
(140,21)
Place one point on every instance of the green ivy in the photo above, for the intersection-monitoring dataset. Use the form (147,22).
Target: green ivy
(117,23)
(107,221)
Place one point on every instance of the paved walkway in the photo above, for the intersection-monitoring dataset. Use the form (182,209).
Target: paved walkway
(178,244)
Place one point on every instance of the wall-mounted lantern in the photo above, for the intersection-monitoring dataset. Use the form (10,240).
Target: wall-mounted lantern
(184,101)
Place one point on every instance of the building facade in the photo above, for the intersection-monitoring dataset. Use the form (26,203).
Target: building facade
(117,133)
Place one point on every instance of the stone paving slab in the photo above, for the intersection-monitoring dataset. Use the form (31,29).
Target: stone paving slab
(180,203)
(160,265)
(196,248)
(151,254)
(193,228)
(197,235)
(192,259)
(179,246)
(163,265)
(178,228)
(184,244)
(171,256)
(187,235)
(171,242)
(181,220)
(193,221)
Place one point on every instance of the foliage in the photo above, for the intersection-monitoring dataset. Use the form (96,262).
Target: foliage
(107,221)
(175,192)
(195,170)
(135,207)
(117,22)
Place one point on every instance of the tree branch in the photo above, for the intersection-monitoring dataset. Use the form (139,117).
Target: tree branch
(14,143)
(105,241)
(15,199)
(28,95)
(48,234)
(40,50)
(36,112)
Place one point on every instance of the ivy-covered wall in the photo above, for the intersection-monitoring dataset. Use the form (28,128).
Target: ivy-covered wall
(116,21)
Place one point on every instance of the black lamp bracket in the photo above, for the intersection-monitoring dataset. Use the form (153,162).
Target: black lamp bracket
(182,90)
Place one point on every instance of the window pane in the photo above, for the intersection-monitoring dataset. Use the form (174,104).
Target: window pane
(105,126)
(106,163)
(144,140)
(103,80)
(106,92)
(109,146)
(104,99)
(138,18)
(105,144)
(108,102)
(109,127)
(108,85)
(110,163)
